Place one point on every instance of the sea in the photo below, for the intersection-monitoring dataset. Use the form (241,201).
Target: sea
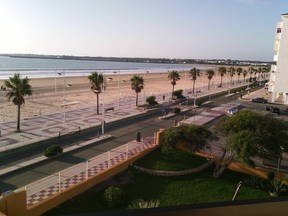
(44,68)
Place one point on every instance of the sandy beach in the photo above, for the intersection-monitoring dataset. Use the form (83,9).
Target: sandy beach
(49,93)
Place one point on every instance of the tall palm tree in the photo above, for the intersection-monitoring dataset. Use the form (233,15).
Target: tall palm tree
(173,76)
(244,74)
(222,71)
(194,73)
(231,72)
(137,84)
(260,70)
(210,74)
(239,72)
(96,82)
(16,89)
(251,72)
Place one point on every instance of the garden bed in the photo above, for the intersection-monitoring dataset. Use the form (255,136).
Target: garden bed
(170,191)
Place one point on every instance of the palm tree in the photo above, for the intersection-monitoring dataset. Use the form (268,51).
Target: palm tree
(137,84)
(231,72)
(245,74)
(210,74)
(222,71)
(239,72)
(194,73)
(16,89)
(251,72)
(96,82)
(259,71)
(173,76)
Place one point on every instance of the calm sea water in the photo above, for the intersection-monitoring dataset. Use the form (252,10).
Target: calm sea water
(40,68)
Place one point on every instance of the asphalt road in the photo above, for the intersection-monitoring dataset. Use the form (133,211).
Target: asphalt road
(122,134)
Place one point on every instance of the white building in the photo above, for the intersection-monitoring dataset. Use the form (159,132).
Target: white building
(278,83)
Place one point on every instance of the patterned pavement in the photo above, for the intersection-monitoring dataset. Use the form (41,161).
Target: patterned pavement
(44,127)
(58,182)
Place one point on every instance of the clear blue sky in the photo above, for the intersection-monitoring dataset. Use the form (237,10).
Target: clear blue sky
(241,29)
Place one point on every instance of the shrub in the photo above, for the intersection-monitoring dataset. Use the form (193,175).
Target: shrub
(114,196)
(140,204)
(177,110)
(151,100)
(53,150)
(178,94)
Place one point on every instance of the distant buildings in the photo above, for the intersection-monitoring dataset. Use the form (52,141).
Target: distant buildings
(278,83)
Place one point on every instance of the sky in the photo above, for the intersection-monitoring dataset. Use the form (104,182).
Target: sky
(202,29)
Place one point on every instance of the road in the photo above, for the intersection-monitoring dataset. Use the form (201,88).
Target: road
(123,134)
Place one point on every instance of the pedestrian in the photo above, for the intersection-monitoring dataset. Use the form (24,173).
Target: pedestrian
(163,97)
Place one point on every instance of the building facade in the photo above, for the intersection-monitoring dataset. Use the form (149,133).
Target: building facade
(278,84)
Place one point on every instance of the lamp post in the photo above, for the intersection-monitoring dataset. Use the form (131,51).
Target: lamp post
(279,159)
(66,84)
(103,107)
(119,90)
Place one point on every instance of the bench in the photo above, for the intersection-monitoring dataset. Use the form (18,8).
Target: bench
(109,109)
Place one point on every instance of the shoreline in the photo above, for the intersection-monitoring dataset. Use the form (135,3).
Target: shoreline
(39,73)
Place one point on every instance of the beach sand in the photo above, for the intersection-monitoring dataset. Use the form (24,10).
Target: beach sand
(48,99)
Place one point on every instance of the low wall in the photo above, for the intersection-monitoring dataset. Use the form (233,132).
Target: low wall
(57,199)
(240,167)
(18,198)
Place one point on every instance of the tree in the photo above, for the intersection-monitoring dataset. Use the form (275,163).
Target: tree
(96,82)
(194,73)
(173,76)
(222,71)
(250,134)
(259,71)
(239,72)
(194,137)
(244,75)
(137,84)
(210,74)
(15,90)
(251,72)
(231,72)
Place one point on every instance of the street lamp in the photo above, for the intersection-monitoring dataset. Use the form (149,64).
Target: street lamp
(66,84)
(279,159)
(119,91)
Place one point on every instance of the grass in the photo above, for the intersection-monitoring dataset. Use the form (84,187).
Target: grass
(170,191)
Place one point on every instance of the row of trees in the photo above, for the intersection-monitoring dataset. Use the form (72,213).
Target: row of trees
(16,88)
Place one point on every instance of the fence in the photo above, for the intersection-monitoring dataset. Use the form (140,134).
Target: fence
(55,183)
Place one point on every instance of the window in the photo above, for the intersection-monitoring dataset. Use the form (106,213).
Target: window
(278,30)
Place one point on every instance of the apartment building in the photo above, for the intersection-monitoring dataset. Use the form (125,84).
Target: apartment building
(278,84)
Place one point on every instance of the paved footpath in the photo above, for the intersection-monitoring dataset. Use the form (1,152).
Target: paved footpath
(46,187)
(43,127)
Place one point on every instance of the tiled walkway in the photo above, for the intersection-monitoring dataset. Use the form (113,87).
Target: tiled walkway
(43,127)
(57,182)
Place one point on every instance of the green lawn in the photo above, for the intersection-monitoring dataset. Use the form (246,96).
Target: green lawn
(189,189)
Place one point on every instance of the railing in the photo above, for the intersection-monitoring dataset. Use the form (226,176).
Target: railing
(55,183)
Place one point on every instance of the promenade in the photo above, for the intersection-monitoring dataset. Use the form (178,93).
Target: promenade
(44,127)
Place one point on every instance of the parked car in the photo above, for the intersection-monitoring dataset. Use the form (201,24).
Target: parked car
(259,100)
